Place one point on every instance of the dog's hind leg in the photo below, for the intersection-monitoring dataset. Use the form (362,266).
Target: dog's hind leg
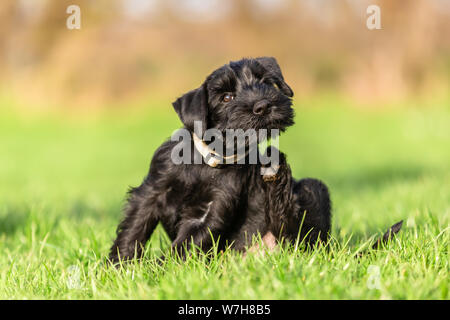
(297,208)
(313,208)
(135,229)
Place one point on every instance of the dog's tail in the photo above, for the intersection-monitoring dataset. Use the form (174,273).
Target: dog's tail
(393,230)
(389,234)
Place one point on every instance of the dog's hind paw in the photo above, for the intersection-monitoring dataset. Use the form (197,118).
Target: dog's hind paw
(269,174)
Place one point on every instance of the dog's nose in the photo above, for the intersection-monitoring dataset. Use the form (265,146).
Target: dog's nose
(260,107)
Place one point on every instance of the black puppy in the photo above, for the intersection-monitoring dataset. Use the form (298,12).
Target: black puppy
(201,202)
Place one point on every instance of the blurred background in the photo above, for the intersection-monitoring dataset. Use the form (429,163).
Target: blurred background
(154,50)
(82,111)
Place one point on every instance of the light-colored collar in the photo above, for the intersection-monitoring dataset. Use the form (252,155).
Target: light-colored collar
(212,158)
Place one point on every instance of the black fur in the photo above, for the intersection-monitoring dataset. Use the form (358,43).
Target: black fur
(297,209)
(194,202)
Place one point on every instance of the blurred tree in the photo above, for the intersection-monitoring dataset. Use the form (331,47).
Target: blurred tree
(136,49)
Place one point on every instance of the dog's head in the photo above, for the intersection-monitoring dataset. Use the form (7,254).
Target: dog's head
(244,94)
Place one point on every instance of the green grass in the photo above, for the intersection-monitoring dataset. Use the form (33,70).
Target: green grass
(63,182)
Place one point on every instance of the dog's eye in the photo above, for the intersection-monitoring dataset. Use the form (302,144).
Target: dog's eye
(227,97)
(272,84)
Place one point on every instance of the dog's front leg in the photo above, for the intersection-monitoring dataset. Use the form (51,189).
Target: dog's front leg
(202,231)
(140,220)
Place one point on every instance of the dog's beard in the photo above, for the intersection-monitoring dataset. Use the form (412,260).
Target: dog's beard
(244,132)
(278,118)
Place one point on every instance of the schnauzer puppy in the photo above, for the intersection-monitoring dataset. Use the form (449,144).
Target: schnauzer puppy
(210,201)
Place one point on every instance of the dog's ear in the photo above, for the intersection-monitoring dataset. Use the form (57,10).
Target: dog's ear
(273,69)
(193,106)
